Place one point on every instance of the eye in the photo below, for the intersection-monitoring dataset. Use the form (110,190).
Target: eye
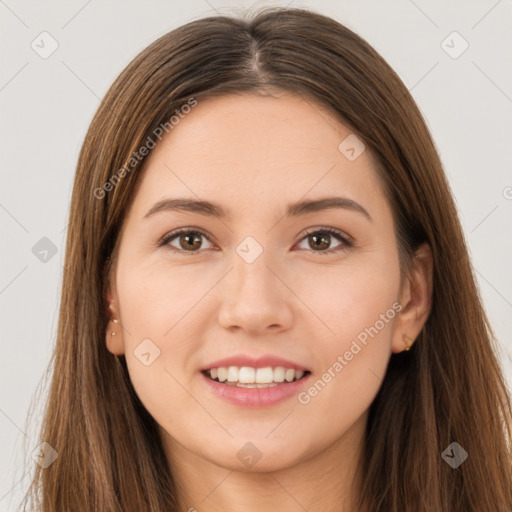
(320,239)
(188,240)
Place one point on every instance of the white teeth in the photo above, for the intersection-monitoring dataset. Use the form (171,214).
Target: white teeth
(279,374)
(264,375)
(232,374)
(222,374)
(249,377)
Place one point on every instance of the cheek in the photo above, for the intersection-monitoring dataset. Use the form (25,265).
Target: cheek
(156,299)
(350,298)
(160,341)
(359,305)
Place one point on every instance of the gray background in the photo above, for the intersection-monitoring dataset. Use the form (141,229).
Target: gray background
(47,104)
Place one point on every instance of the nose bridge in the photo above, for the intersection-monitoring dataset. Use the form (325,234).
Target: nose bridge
(254,298)
(252,274)
(253,283)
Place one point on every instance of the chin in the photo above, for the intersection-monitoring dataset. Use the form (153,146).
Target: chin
(257,457)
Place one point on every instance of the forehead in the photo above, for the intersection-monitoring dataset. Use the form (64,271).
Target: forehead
(245,150)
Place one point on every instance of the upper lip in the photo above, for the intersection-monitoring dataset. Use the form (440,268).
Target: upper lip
(255,362)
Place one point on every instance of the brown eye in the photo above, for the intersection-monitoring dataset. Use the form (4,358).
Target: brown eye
(190,241)
(187,241)
(320,241)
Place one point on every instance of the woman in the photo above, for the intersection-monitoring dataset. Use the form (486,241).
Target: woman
(269,303)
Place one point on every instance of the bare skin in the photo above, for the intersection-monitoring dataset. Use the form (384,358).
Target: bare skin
(255,156)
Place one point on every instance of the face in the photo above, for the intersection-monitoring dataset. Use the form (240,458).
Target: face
(261,287)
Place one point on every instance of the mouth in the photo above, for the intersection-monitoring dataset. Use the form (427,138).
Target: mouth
(256,378)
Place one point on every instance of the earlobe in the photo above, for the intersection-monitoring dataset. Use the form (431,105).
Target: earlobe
(114,337)
(407,342)
(114,333)
(416,300)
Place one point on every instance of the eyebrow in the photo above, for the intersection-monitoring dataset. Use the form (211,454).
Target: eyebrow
(294,210)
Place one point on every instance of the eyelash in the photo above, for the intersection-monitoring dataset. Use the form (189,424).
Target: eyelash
(341,237)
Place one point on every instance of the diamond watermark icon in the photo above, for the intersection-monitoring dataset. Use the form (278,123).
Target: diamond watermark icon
(351,147)
(44,45)
(44,455)
(249,454)
(44,250)
(454,45)
(455,455)
(146,352)
(249,249)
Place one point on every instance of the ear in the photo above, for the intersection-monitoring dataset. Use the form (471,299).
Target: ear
(416,300)
(114,336)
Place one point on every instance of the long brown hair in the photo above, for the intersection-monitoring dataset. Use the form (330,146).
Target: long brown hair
(447,388)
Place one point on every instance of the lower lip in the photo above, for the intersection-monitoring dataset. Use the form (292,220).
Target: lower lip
(256,397)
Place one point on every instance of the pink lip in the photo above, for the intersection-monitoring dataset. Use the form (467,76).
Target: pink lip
(259,362)
(256,397)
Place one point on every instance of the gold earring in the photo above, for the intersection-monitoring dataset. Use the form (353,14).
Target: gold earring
(408,341)
(116,321)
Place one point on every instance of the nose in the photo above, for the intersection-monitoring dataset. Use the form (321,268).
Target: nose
(255,298)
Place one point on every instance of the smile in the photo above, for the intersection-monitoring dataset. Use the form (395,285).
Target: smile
(249,377)
(255,387)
